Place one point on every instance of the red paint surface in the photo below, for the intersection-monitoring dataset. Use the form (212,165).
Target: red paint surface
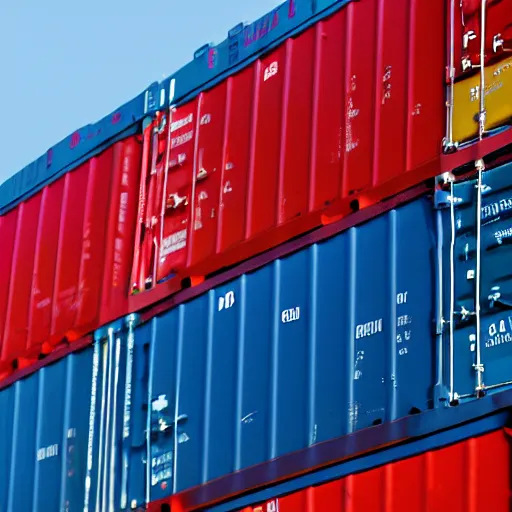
(353,108)
(66,257)
(468,34)
(468,476)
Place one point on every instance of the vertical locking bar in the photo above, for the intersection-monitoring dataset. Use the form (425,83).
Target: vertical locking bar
(127,410)
(482,114)
(448,143)
(479,368)
(147,127)
(113,437)
(172,87)
(92,422)
(453,396)
(106,409)
(149,408)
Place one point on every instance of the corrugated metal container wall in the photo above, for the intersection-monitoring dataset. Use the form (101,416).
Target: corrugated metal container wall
(66,256)
(469,27)
(470,475)
(351,109)
(481,335)
(310,347)
(346,110)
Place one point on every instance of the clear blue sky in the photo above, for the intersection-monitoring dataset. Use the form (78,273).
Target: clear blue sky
(65,64)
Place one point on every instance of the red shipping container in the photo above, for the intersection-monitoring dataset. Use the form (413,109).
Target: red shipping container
(340,116)
(344,114)
(467,476)
(67,254)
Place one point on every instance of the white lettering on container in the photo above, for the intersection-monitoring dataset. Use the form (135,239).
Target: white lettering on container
(174,243)
(494,209)
(182,139)
(499,333)
(180,123)
(205,119)
(48,452)
(227,301)
(270,71)
(290,315)
(401,298)
(368,329)
(270,506)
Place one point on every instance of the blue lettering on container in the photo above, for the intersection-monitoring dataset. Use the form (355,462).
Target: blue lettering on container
(261,28)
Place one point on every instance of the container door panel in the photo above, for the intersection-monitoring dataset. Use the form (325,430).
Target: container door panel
(390,104)
(330,330)
(21,279)
(371,336)
(69,254)
(120,235)
(328,119)
(208,173)
(24,444)
(235,170)
(195,337)
(76,429)
(324,497)
(266,142)
(467,16)
(6,440)
(223,420)
(164,334)
(356,493)
(49,437)
(41,302)
(8,224)
(133,470)
(94,238)
(296,129)
(498,37)
(257,402)
(360,48)
(426,94)
(149,207)
(174,244)
(413,314)
(290,349)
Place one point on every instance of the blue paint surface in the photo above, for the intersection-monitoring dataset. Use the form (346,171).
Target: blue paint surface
(495,282)
(305,349)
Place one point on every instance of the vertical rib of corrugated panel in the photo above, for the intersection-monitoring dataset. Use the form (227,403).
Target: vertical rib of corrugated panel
(67,256)
(348,110)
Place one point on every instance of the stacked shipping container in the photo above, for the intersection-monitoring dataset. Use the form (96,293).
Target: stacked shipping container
(316,340)
(257,141)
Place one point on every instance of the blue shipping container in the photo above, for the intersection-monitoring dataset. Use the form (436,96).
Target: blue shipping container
(371,325)
(477,301)
(326,341)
